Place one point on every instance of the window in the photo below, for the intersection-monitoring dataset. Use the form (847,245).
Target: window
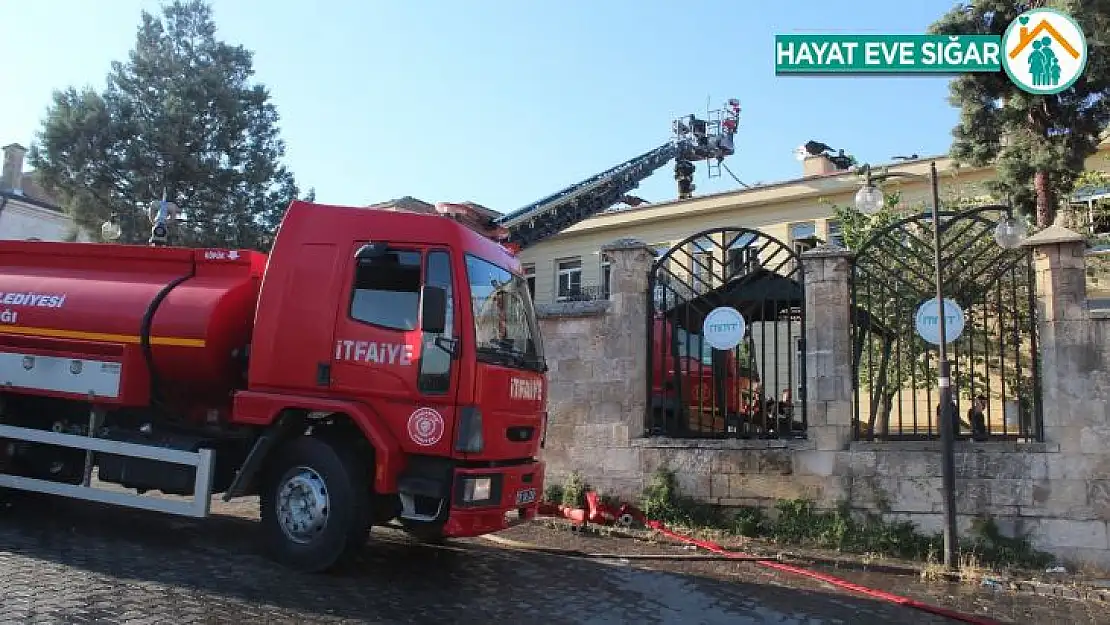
(803,236)
(701,263)
(743,257)
(387,290)
(436,355)
(505,328)
(530,278)
(568,274)
(834,236)
(606,275)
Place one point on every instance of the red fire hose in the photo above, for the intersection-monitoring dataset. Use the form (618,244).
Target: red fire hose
(602,514)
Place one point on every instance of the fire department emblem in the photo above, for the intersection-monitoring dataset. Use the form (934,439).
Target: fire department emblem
(425,427)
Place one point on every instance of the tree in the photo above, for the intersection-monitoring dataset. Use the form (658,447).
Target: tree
(179,117)
(1038,143)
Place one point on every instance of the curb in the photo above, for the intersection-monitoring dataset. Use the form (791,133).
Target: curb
(1076,591)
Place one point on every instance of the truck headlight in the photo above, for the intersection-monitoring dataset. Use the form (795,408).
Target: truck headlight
(468,438)
(477,489)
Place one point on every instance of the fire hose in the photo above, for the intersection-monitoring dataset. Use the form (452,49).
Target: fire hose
(600,513)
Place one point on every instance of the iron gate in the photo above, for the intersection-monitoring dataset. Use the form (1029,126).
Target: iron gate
(756,389)
(995,358)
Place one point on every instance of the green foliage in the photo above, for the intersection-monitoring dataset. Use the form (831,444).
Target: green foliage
(988,542)
(749,521)
(182,116)
(1038,143)
(663,501)
(799,522)
(553,493)
(574,491)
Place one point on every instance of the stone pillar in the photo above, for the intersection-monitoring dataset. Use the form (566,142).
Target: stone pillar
(1071,358)
(625,329)
(828,347)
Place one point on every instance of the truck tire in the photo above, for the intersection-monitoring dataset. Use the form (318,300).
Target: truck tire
(314,504)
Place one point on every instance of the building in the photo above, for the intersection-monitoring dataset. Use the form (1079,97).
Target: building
(475,216)
(798,212)
(27,212)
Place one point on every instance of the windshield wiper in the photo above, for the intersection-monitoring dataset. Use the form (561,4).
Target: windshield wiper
(501,355)
(510,357)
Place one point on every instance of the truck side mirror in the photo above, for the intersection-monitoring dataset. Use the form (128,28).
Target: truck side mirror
(433,311)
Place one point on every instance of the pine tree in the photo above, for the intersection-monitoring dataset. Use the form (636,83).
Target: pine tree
(1038,143)
(180,117)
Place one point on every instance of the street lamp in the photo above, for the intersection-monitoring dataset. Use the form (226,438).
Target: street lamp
(1008,234)
(869,199)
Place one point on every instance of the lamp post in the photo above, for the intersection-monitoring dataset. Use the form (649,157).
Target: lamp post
(1007,234)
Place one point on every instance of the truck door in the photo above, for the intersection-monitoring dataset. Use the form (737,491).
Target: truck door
(383,354)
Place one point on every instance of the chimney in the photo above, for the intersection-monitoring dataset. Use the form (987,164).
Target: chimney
(12,177)
(819,165)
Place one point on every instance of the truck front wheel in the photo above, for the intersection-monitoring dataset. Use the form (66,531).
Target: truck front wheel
(314,504)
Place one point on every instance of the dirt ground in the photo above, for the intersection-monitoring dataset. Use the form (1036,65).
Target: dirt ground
(999,603)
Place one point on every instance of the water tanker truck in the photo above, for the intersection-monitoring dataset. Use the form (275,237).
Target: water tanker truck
(374,366)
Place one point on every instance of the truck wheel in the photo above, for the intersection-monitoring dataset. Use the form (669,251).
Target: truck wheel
(314,504)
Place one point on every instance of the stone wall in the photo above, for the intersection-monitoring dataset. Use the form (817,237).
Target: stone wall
(1056,491)
(596,377)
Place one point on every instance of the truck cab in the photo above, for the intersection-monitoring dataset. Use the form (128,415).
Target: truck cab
(376,366)
(428,328)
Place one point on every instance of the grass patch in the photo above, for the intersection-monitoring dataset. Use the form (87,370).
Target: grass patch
(800,522)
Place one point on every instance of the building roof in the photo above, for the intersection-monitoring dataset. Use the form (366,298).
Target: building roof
(420,206)
(32,193)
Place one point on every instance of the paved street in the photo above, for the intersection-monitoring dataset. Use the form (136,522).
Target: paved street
(70,562)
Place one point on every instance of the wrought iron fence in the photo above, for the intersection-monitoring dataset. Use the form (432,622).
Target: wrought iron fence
(757,387)
(995,373)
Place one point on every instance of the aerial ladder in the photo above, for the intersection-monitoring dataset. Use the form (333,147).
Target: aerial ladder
(693,139)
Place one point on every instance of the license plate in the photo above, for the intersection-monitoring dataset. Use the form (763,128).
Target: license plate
(525,496)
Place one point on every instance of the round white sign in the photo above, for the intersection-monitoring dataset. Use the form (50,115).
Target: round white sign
(928,323)
(724,327)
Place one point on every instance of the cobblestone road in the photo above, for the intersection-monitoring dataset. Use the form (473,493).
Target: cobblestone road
(73,562)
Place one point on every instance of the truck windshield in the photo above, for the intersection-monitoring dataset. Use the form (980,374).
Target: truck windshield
(505,328)
(693,346)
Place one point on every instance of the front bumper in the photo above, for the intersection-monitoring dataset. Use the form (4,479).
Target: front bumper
(515,494)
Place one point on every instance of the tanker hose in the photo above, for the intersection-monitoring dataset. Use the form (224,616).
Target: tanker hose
(144,333)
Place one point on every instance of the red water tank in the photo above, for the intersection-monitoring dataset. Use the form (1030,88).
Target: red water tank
(81,319)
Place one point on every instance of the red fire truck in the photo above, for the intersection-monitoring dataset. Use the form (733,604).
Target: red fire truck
(376,365)
(682,383)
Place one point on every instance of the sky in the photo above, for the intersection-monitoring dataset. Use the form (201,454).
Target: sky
(503,102)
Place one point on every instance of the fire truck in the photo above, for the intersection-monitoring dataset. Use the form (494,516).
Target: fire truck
(375,366)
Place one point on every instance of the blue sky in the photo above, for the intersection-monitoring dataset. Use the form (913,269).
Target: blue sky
(503,102)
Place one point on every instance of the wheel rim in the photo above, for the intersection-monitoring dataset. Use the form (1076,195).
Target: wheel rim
(303,505)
